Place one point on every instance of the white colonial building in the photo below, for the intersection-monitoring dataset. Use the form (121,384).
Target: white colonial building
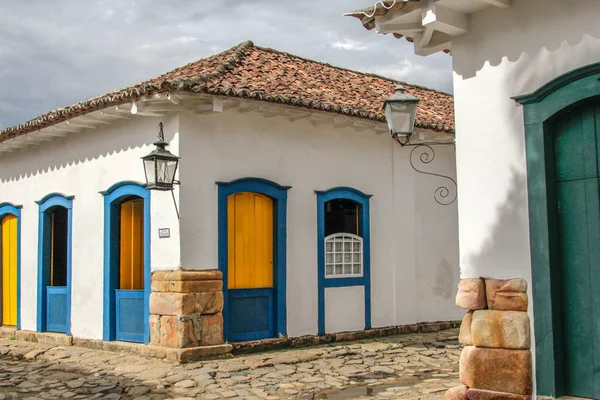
(527,90)
(298,213)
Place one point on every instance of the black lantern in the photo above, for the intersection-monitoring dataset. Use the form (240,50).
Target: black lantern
(160,166)
(400,112)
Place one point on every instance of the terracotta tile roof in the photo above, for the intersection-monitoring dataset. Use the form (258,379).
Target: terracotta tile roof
(252,72)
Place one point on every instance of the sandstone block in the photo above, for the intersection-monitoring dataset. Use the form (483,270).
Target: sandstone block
(177,332)
(187,275)
(196,286)
(168,331)
(464,336)
(507,295)
(496,370)
(477,394)
(212,330)
(471,294)
(457,393)
(501,329)
(209,302)
(155,329)
(172,303)
(160,286)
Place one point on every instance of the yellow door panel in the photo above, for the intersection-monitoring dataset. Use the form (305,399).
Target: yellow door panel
(132,245)
(250,241)
(9,270)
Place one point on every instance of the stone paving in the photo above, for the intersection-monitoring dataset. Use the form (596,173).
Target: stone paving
(415,366)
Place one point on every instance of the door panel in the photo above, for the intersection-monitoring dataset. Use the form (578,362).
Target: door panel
(250,294)
(129,300)
(250,241)
(132,245)
(578,212)
(9,270)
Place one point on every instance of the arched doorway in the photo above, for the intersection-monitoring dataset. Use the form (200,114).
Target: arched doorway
(9,265)
(54,263)
(126,262)
(562,131)
(252,237)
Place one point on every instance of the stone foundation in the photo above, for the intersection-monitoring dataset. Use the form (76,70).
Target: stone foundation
(496,361)
(186,313)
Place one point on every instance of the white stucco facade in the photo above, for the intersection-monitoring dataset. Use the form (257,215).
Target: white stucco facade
(507,52)
(414,247)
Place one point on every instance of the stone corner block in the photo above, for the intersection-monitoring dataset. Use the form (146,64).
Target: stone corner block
(507,294)
(212,330)
(496,370)
(208,303)
(464,336)
(501,329)
(456,393)
(172,303)
(471,294)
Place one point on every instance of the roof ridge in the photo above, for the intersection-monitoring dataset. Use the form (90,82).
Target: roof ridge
(348,69)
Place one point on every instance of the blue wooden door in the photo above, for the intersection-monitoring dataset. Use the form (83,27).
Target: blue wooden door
(57,315)
(251,290)
(129,298)
(576,176)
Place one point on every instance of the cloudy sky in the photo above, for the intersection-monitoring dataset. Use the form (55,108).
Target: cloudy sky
(56,52)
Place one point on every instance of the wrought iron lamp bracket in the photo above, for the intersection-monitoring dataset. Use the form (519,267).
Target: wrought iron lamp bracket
(443,195)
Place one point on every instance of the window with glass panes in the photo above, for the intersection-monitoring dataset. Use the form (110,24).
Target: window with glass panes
(343,245)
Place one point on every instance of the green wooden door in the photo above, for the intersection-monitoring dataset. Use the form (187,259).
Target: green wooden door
(576,163)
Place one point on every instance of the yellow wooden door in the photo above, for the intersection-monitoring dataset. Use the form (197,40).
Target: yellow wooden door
(9,270)
(132,245)
(250,241)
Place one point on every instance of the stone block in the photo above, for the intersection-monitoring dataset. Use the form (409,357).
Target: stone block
(187,275)
(160,286)
(212,330)
(172,303)
(507,295)
(496,370)
(477,394)
(456,393)
(155,329)
(177,332)
(209,302)
(168,331)
(196,286)
(471,294)
(501,329)
(464,335)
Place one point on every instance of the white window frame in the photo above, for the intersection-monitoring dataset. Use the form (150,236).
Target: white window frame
(353,239)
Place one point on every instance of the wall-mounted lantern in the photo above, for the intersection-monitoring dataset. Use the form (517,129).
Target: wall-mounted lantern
(400,112)
(160,166)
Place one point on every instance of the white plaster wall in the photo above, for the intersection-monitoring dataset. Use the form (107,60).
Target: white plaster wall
(508,52)
(224,147)
(83,165)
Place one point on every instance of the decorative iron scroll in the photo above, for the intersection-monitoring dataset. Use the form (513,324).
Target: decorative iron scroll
(442,194)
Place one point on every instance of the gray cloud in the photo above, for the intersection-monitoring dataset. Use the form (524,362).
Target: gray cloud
(55,53)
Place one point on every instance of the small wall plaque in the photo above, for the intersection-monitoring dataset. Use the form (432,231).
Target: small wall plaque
(164,233)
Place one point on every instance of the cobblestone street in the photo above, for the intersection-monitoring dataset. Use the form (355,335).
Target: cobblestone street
(415,366)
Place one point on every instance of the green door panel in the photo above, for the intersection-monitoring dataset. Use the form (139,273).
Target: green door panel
(578,215)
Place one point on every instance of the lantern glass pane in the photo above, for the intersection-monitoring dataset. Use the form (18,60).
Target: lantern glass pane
(150,171)
(400,117)
(166,171)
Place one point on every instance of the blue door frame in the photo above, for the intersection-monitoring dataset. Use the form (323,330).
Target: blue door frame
(122,317)
(276,307)
(62,295)
(364,231)
(10,209)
